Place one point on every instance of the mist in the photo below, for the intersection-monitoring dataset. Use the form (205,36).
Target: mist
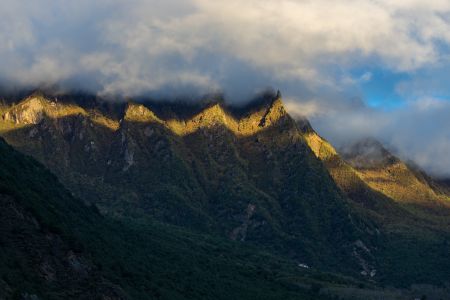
(418,132)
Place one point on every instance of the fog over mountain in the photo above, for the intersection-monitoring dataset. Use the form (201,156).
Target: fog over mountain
(355,68)
(419,131)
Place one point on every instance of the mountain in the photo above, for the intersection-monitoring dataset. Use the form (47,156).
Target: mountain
(405,204)
(388,174)
(367,163)
(248,174)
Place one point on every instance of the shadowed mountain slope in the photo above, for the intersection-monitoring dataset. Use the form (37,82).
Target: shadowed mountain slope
(252,175)
(52,246)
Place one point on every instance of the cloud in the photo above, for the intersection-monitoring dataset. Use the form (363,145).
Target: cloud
(320,53)
(366,77)
(420,131)
(139,46)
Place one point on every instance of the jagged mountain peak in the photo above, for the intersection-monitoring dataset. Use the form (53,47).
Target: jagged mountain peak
(368,153)
(274,112)
(211,114)
(140,113)
(241,121)
(247,121)
(251,118)
(34,108)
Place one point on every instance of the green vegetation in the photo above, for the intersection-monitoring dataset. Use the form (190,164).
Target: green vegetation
(209,204)
(130,260)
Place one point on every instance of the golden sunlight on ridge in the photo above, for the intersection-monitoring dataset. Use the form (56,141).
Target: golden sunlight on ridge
(212,116)
(34,109)
(396,181)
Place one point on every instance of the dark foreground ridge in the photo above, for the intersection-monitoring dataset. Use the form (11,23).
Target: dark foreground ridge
(55,247)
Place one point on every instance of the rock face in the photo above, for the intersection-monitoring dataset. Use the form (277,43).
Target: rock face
(33,109)
(28,112)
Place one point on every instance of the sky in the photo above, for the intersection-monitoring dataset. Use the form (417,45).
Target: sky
(361,68)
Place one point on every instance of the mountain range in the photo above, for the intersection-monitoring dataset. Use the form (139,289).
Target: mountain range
(228,202)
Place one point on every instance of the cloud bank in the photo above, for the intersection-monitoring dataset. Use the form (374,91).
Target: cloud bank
(326,56)
(137,46)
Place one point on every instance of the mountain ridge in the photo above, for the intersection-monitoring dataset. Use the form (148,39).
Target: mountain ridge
(251,174)
(35,107)
(206,175)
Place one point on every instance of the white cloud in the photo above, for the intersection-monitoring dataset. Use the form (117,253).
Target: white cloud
(151,41)
(302,109)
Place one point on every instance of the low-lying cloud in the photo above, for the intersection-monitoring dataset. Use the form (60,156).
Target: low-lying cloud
(319,53)
(419,132)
